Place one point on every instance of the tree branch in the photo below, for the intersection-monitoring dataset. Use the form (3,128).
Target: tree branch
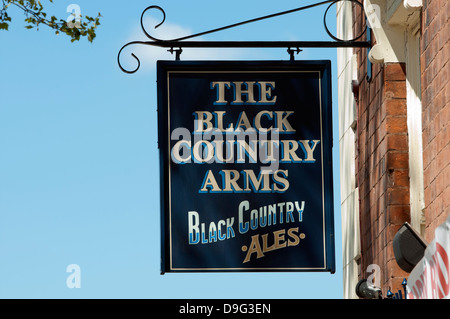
(35,16)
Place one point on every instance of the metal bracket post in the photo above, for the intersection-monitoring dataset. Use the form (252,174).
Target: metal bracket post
(177,53)
(292,53)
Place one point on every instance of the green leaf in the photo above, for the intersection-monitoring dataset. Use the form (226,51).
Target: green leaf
(4,26)
(35,17)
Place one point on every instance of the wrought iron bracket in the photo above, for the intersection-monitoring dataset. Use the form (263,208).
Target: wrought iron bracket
(176,45)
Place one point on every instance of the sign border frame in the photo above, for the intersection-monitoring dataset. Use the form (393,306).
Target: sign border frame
(324,69)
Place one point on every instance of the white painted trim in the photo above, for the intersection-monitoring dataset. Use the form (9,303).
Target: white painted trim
(388,20)
(389,47)
(414,121)
(347,72)
(413,5)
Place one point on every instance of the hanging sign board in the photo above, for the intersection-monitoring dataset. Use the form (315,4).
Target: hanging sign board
(246,172)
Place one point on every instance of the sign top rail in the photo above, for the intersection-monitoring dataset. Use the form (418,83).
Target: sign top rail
(177,44)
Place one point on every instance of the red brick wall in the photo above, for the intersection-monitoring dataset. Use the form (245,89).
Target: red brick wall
(435,67)
(382,163)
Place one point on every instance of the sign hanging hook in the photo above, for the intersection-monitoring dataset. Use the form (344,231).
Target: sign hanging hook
(292,52)
(177,53)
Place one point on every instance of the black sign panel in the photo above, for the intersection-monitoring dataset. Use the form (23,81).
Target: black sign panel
(246,170)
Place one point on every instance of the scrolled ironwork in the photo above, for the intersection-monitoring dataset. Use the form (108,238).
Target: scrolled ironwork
(182,43)
(328,30)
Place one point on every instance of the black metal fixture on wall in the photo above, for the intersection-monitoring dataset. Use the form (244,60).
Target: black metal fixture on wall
(409,247)
(366,290)
(176,45)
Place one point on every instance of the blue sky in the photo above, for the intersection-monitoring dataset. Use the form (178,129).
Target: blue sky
(79,171)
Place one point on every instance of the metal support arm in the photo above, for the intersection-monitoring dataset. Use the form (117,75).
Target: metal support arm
(181,43)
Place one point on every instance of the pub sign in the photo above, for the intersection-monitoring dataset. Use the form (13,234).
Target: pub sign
(245,166)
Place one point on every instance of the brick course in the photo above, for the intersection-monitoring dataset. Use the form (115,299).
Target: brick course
(435,79)
(382,160)
(382,163)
